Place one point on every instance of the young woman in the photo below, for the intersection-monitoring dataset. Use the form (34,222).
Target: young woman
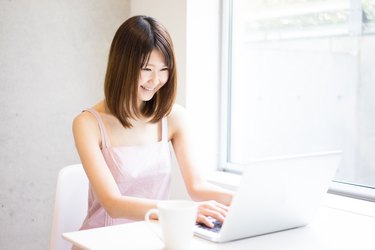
(123,141)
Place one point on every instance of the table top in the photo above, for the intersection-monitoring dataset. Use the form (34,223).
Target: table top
(331,229)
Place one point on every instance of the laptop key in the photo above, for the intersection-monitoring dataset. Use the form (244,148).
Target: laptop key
(215,229)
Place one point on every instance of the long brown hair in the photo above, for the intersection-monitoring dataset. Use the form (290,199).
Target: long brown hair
(130,50)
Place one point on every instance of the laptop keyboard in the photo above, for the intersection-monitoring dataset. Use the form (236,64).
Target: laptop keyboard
(215,229)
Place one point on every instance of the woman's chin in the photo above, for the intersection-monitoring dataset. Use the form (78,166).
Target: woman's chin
(147,98)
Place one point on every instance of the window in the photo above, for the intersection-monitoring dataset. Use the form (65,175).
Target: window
(298,78)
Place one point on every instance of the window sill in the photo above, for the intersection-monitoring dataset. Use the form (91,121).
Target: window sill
(353,191)
(224,179)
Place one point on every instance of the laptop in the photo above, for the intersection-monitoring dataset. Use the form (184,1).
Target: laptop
(274,195)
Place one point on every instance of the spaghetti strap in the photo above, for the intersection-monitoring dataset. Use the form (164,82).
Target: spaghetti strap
(164,131)
(105,142)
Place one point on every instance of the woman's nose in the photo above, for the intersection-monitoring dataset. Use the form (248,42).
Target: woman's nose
(155,78)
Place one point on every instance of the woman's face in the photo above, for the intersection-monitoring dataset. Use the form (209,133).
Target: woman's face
(152,77)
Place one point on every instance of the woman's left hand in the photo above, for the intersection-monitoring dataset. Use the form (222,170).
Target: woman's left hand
(212,209)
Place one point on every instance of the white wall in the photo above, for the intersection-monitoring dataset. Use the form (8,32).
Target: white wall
(52,61)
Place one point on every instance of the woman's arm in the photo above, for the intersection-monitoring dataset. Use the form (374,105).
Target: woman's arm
(88,140)
(199,189)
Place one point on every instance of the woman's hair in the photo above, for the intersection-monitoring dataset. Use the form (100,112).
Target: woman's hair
(130,51)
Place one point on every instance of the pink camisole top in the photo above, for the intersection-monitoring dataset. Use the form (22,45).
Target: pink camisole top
(139,171)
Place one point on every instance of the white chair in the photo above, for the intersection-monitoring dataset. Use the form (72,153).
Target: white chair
(70,204)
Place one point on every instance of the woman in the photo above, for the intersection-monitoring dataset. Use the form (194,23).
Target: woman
(123,141)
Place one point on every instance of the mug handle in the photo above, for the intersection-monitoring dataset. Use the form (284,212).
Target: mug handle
(148,222)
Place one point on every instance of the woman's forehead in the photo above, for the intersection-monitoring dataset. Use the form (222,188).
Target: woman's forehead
(156,58)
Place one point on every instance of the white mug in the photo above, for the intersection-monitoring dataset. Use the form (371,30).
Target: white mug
(177,219)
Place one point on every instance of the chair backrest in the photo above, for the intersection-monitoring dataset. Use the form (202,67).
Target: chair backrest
(70,204)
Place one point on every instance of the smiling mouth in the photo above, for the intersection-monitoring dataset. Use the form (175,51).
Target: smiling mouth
(148,89)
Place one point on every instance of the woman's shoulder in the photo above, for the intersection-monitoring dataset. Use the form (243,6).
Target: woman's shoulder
(177,113)
(87,119)
(83,117)
(177,118)
(177,109)
(85,128)
(84,122)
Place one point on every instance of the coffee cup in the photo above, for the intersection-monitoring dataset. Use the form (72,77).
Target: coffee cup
(177,219)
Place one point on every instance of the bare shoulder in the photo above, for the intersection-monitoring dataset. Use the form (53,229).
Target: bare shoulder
(177,119)
(84,119)
(177,112)
(85,125)
(177,115)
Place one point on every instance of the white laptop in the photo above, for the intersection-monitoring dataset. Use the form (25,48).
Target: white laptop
(276,194)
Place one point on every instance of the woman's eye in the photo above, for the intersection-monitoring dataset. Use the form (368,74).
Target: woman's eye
(164,69)
(146,69)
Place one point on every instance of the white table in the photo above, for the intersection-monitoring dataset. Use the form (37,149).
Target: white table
(332,229)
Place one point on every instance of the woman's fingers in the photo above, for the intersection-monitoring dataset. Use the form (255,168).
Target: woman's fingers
(204,220)
(214,207)
(218,215)
(211,209)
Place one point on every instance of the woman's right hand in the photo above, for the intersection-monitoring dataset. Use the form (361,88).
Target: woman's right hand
(211,209)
